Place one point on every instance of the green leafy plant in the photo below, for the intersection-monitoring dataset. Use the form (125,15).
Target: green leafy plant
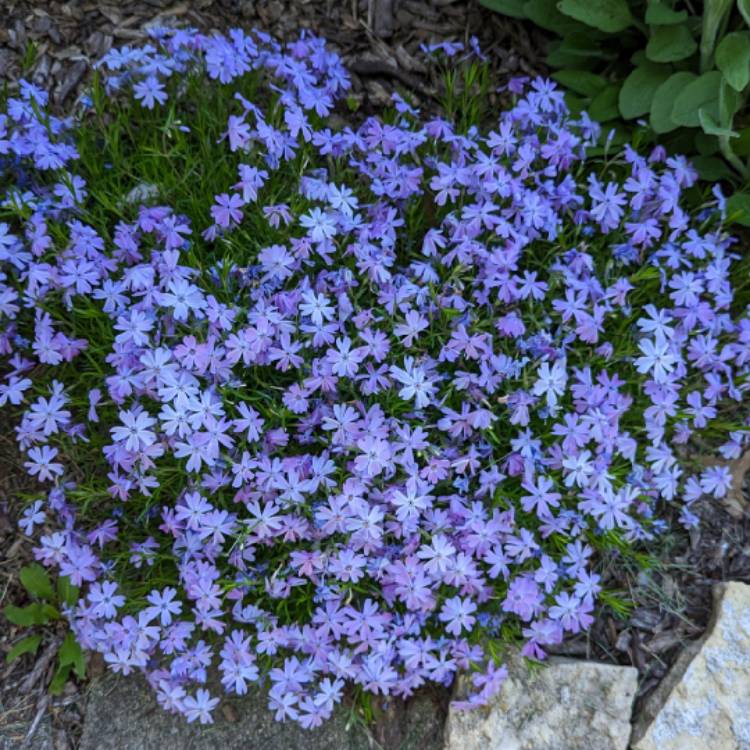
(44,611)
(682,68)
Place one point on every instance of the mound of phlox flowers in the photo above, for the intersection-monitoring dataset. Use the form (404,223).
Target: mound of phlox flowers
(343,405)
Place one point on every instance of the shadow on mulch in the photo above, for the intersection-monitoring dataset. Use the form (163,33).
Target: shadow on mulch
(68,36)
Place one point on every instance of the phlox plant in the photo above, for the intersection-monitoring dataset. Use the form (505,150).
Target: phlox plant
(348,408)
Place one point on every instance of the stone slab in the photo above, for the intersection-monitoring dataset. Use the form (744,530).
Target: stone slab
(704,701)
(565,705)
(122,714)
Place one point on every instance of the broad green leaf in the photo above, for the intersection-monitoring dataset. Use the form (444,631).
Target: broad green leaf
(729,104)
(546,15)
(670,43)
(712,127)
(701,93)
(661,107)
(603,106)
(639,87)
(658,14)
(611,16)
(714,12)
(49,613)
(741,145)
(574,103)
(744,8)
(513,8)
(581,81)
(36,581)
(67,592)
(738,209)
(559,58)
(38,613)
(733,59)
(576,49)
(712,168)
(60,678)
(585,45)
(27,645)
(71,653)
(33,614)
(705,145)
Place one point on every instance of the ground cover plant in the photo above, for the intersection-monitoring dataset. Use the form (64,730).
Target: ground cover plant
(329,407)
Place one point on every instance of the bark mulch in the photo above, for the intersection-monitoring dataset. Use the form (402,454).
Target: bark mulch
(377,38)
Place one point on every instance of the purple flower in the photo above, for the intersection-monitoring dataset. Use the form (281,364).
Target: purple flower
(716,480)
(457,613)
(105,599)
(657,359)
(344,359)
(226,210)
(199,707)
(163,605)
(42,463)
(416,383)
(134,431)
(523,598)
(32,516)
(150,91)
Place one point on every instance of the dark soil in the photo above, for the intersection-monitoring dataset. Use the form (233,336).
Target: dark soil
(382,46)
(672,599)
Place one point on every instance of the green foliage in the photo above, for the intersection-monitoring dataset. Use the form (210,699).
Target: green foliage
(664,98)
(738,208)
(659,14)
(678,70)
(36,581)
(611,16)
(638,89)
(733,59)
(670,43)
(702,94)
(44,611)
(618,602)
(70,658)
(28,645)
(33,614)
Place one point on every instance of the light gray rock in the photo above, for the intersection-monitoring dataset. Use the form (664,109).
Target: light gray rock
(13,732)
(565,705)
(122,714)
(704,701)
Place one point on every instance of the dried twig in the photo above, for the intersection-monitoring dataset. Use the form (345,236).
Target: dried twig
(41,708)
(40,667)
(380,68)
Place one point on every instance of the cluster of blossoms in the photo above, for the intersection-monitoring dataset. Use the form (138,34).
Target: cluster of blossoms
(463,365)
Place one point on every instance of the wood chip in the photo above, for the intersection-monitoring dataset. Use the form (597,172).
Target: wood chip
(664,641)
(71,80)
